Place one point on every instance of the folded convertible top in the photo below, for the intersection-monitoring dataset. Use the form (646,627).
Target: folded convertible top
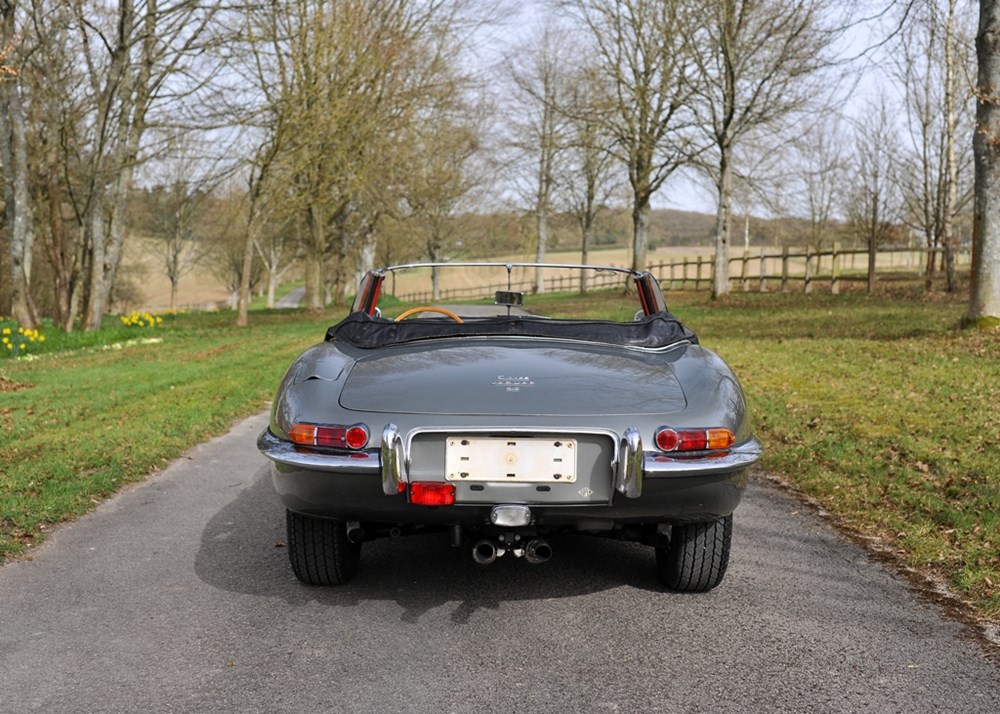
(659,330)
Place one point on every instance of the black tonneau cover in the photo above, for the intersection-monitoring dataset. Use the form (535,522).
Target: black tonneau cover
(366,332)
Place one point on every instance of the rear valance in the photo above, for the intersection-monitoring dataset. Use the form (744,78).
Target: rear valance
(659,330)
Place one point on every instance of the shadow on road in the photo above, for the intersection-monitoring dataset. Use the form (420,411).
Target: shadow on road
(242,550)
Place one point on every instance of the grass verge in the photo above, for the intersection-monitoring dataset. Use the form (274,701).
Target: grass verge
(76,425)
(880,409)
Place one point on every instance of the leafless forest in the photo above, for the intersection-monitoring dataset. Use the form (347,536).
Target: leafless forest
(313,139)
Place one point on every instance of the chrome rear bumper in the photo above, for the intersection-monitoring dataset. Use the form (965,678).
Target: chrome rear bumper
(629,477)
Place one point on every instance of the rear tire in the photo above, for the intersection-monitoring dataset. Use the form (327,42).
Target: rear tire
(319,550)
(697,557)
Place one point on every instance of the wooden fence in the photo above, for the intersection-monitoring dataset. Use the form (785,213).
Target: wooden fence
(782,269)
(804,268)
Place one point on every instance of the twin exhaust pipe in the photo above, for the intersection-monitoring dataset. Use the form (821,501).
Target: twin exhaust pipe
(536,551)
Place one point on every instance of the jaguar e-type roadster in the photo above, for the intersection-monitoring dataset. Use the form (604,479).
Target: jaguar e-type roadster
(505,429)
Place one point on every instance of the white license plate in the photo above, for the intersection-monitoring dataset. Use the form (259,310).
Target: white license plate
(517,459)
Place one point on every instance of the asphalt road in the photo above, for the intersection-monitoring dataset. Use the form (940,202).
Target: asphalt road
(176,596)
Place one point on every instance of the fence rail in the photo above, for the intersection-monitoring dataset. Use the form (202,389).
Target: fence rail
(804,268)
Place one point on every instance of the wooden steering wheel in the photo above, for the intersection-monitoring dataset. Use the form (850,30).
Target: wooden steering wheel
(430,308)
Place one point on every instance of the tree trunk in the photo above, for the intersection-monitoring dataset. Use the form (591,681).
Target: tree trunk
(314,254)
(588,231)
(243,299)
(14,158)
(640,229)
(95,238)
(951,165)
(542,222)
(872,256)
(272,284)
(984,302)
(720,283)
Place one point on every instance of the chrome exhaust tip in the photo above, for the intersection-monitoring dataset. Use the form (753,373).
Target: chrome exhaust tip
(355,533)
(484,552)
(537,551)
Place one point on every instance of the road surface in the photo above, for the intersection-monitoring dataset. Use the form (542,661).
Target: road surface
(176,596)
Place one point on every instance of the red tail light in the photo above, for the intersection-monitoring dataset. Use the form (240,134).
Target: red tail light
(694,439)
(330,435)
(432,493)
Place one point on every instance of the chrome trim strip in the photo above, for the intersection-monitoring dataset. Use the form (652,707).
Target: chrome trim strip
(547,340)
(659,465)
(285,453)
(628,478)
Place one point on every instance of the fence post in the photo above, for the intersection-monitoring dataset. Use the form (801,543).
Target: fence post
(697,281)
(834,270)
(784,269)
(744,278)
(763,271)
(808,288)
(672,283)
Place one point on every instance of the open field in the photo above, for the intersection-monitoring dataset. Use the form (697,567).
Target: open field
(199,289)
(879,409)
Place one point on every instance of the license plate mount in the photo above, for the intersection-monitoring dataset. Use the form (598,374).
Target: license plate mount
(517,459)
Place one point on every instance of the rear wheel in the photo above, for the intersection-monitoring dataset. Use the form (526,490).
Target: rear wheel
(697,556)
(319,550)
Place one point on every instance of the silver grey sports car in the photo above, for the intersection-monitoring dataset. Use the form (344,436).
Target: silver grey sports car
(504,429)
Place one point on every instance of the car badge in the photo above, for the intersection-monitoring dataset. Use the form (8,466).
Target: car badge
(513,384)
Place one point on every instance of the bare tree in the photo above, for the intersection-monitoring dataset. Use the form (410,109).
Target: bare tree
(874,202)
(93,77)
(755,59)
(644,55)
(934,62)
(538,71)
(130,55)
(274,246)
(225,232)
(984,302)
(438,182)
(345,78)
(589,182)
(821,160)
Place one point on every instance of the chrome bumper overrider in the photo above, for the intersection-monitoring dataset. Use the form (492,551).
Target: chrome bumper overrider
(633,464)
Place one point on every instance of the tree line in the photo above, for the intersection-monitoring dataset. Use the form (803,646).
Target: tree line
(330,135)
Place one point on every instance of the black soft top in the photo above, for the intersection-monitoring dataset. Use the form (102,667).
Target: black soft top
(659,330)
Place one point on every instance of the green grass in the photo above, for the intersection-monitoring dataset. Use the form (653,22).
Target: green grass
(881,409)
(74,426)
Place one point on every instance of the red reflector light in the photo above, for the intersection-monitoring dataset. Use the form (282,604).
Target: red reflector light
(424,493)
(667,439)
(357,437)
(331,436)
(694,439)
